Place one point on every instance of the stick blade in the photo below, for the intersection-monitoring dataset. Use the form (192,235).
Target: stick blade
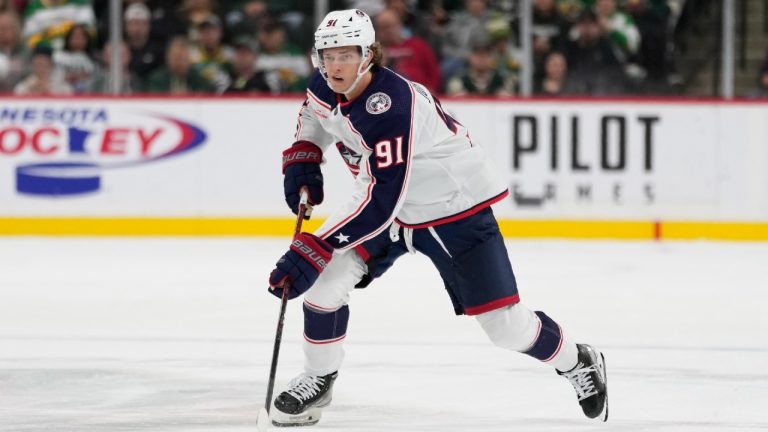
(262,420)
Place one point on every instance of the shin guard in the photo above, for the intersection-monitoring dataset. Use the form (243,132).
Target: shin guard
(549,340)
(323,335)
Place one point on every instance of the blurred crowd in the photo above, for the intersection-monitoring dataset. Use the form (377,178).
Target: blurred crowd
(455,47)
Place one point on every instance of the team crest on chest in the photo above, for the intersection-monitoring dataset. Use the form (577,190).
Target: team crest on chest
(378,103)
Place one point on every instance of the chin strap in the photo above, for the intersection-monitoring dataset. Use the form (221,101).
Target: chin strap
(357,80)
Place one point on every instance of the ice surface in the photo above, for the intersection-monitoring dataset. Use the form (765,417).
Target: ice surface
(172,335)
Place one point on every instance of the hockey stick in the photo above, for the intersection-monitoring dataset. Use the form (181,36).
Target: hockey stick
(262,419)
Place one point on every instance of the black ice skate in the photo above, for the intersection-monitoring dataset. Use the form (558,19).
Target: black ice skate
(302,403)
(590,381)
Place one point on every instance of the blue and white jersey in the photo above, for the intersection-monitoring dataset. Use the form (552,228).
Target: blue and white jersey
(412,162)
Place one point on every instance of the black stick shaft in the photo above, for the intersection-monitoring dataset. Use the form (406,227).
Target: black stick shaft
(281,321)
(276,350)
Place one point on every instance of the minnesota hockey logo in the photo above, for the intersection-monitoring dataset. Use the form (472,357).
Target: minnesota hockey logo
(67,149)
(378,103)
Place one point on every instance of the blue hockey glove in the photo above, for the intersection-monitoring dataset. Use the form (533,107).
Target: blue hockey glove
(301,168)
(300,266)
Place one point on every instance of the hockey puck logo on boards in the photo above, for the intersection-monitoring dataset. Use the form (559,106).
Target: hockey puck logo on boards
(378,103)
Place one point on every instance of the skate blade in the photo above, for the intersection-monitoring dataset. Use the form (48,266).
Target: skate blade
(604,415)
(307,418)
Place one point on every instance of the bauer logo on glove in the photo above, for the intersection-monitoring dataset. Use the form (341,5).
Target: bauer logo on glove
(301,170)
(310,255)
(300,266)
(301,156)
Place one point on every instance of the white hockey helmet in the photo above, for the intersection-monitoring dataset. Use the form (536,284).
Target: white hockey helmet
(351,27)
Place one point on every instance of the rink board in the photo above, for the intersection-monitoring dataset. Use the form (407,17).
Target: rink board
(200,166)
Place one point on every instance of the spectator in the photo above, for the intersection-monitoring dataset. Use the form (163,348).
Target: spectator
(505,55)
(167,19)
(245,78)
(210,56)
(75,60)
(102,11)
(50,20)
(413,22)
(462,27)
(437,19)
(185,19)
(278,56)
(248,19)
(653,55)
(103,81)
(762,81)
(621,29)
(146,53)
(555,81)
(411,57)
(13,53)
(482,77)
(245,17)
(12,5)
(43,80)
(549,33)
(178,76)
(572,9)
(592,59)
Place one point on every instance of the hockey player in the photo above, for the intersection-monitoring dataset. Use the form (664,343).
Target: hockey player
(421,185)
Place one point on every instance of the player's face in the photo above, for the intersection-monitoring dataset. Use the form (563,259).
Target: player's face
(341,65)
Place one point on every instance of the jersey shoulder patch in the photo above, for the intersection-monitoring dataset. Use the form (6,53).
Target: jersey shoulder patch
(388,94)
(385,108)
(378,103)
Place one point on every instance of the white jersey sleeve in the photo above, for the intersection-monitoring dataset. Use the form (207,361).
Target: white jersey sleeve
(309,129)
